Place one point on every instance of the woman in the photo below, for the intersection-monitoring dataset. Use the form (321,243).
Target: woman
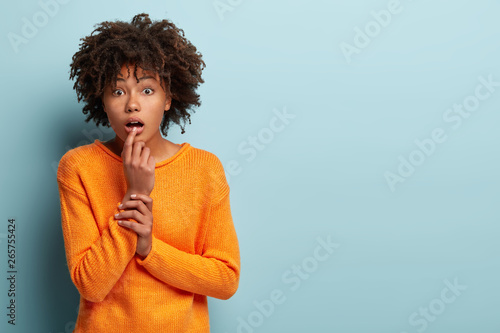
(172,242)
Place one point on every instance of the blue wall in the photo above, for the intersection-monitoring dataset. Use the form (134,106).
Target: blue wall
(359,139)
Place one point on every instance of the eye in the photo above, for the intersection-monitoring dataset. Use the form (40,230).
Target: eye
(148,91)
(117,92)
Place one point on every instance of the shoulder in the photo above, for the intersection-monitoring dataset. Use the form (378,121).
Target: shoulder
(207,159)
(210,166)
(76,159)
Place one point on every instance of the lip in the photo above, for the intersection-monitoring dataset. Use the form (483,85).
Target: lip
(139,129)
(134,119)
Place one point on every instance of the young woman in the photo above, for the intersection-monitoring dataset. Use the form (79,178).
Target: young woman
(147,224)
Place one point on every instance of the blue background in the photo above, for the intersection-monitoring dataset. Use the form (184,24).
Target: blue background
(354,117)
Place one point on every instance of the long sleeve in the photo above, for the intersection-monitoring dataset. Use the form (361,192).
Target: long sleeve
(95,261)
(215,272)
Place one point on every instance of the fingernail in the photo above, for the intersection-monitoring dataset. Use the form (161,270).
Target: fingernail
(121,206)
(133,195)
(116,215)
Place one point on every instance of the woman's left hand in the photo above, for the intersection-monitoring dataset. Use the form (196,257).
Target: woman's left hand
(139,208)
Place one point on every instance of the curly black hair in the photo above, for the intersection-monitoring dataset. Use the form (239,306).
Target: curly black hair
(157,46)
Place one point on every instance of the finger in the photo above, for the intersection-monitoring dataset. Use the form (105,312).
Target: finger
(127,146)
(131,214)
(136,204)
(151,162)
(128,224)
(147,200)
(140,229)
(146,152)
(137,151)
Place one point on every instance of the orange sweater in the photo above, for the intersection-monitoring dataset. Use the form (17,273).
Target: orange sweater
(194,253)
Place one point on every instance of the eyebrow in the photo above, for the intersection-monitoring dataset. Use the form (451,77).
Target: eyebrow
(140,79)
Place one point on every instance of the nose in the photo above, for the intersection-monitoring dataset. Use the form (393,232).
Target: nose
(133,103)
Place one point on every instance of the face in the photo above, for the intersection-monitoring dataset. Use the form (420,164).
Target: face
(146,101)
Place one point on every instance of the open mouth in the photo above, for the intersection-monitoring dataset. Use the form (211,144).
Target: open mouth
(134,124)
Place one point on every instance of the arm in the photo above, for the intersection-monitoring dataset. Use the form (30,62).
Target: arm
(95,261)
(215,272)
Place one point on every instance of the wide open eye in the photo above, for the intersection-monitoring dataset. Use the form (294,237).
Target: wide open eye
(117,92)
(148,91)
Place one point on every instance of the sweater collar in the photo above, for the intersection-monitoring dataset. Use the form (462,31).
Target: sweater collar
(185,146)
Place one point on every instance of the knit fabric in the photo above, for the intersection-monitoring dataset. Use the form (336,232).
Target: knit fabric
(194,252)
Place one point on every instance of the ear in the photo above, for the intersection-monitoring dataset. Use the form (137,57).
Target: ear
(168,103)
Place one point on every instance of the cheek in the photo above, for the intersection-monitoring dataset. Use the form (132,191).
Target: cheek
(110,120)
(113,123)
(160,118)
(108,109)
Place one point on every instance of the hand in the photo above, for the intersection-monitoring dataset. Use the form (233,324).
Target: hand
(140,209)
(138,166)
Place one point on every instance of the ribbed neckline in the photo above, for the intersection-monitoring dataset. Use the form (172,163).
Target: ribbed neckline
(184,147)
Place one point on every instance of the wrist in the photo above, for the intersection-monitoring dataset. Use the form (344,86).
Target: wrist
(143,256)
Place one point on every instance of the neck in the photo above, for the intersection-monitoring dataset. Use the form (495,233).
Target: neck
(156,145)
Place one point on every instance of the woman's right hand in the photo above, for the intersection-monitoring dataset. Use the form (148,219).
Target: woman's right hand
(138,166)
